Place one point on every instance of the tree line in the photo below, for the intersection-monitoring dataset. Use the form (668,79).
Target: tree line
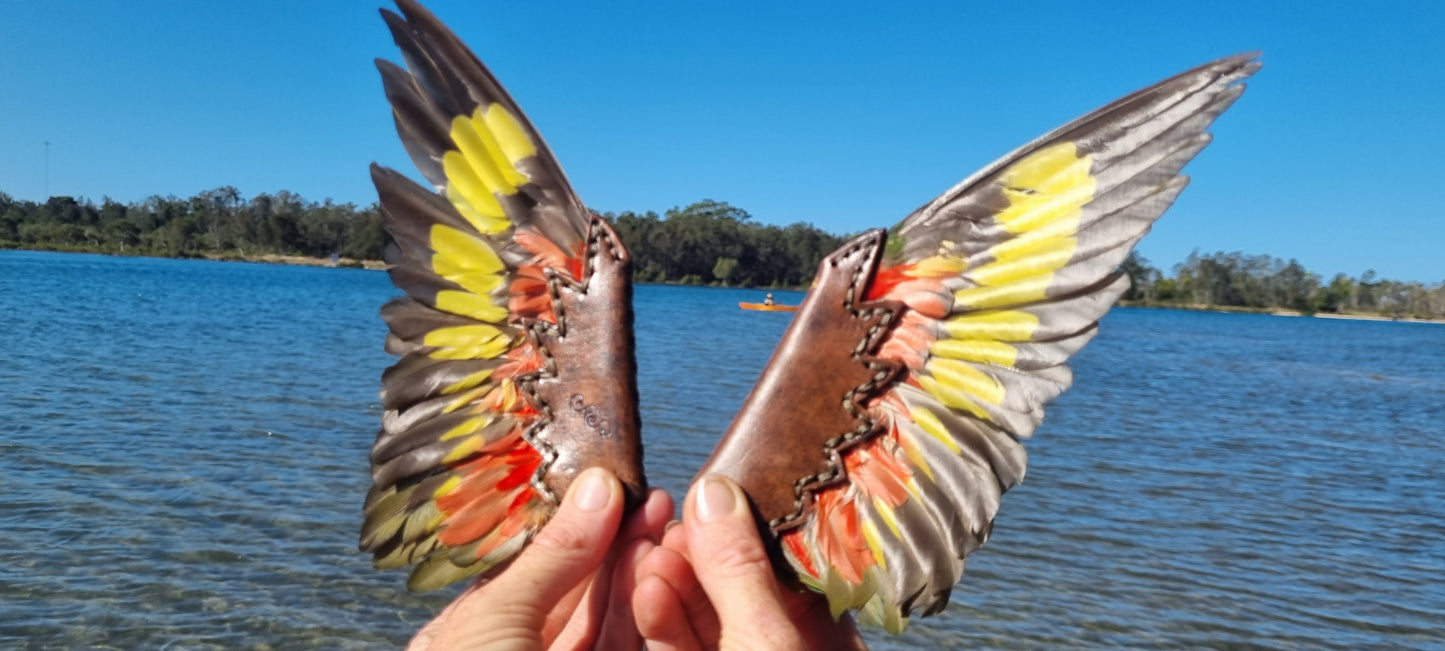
(706,243)
(217,222)
(1263,282)
(711,242)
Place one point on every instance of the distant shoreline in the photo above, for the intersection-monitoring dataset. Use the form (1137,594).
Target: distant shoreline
(352,263)
(297,260)
(1371,317)
(262,258)
(1234,309)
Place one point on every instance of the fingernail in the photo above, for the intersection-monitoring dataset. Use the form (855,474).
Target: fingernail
(714,499)
(593,490)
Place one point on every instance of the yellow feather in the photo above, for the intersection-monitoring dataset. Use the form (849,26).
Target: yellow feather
(1046,192)
(465,449)
(511,138)
(973,350)
(477,282)
(468,382)
(458,252)
(1024,243)
(939,266)
(511,178)
(929,423)
(467,342)
(886,513)
(488,224)
(962,376)
(1045,259)
(472,305)
(870,536)
(468,426)
(465,398)
(952,397)
(998,325)
(907,443)
(1031,207)
(466,189)
(509,395)
(482,156)
(1049,171)
(447,487)
(1027,290)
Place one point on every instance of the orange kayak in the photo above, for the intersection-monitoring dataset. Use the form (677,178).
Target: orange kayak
(762,307)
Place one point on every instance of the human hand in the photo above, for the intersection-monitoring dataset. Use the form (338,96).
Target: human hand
(710,585)
(570,589)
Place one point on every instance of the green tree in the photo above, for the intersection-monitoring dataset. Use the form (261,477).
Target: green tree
(1142,277)
(1336,295)
(724,269)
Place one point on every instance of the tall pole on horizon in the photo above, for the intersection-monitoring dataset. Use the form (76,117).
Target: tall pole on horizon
(47,170)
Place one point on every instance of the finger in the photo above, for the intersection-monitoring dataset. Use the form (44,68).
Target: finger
(577,627)
(657,606)
(562,557)
(567,626)
(561,617)
(649,520)
(691,604)
(593,618)
(598,619)
(619,627)
(674,537)
(590,624)
(733,567)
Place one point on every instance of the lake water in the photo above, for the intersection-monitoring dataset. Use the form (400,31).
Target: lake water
(183,457)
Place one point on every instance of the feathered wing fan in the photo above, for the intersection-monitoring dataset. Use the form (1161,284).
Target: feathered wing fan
(515,335)
(886,426)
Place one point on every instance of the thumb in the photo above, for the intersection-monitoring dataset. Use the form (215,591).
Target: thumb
(732,565)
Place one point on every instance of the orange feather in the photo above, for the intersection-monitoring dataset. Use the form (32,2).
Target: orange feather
(798,550)
(474,521)
(886,279)
(876,473)
(840,538)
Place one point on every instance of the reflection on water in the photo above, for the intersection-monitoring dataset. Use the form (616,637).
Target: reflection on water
(183,455)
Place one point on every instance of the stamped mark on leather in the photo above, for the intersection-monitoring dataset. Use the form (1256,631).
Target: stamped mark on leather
(591,415)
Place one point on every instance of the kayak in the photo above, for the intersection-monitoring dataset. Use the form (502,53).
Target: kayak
(763,307)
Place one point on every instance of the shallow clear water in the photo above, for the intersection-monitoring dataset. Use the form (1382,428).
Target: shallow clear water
(183,456)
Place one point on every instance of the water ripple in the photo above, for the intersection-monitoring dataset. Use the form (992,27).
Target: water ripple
(183,449)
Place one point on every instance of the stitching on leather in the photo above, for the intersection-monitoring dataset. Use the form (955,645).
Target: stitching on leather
(534,435)
(807,486)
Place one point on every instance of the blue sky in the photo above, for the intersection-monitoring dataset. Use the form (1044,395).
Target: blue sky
(845,115)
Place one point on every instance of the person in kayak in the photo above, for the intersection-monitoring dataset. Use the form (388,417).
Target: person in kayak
(768,300)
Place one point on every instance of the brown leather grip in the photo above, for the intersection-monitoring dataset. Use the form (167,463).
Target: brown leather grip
(806,408)
(588,392)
